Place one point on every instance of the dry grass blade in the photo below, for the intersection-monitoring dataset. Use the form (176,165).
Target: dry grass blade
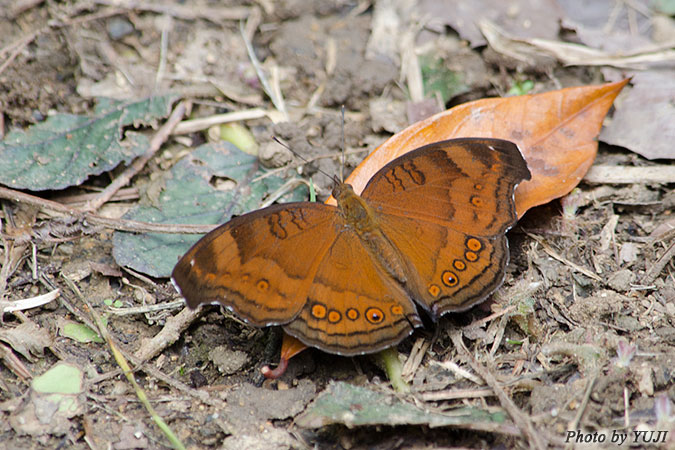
(273,93)
(128,373)
(94,219)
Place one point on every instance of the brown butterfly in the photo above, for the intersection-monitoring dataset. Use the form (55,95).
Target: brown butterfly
(426,236)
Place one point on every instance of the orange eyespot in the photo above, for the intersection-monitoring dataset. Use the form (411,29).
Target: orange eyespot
(476,201)
(263,285)
(374,315)
(434,290)
(352,314)
(471,256)
(478,187)
(319,311)
(449,279)
(397,310)
(473,244)
(459,264)
(334,316)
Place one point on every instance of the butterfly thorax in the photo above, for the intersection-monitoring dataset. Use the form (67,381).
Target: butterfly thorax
(354,209)
(362,219)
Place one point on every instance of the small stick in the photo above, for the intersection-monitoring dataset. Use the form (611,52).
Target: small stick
(562,259)
(658,266)
(115,224)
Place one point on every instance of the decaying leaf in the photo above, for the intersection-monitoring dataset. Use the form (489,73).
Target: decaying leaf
(66,149)
(644,121)
(55,398)
(352,406)
(27,338)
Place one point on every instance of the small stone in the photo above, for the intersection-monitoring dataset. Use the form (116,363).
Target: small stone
(645,382)
(621,280)
(118,27)
(228,361)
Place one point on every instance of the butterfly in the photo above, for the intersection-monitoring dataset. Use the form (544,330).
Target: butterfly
(424,238)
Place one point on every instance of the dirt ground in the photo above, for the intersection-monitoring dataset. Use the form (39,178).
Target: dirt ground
(588,343)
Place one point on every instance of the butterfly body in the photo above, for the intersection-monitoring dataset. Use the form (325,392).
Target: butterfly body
(427,232)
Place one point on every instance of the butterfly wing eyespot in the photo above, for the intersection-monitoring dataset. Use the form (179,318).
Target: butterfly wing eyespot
(366,309)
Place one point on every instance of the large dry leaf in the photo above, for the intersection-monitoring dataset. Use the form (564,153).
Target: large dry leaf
(556,131)
(644,120)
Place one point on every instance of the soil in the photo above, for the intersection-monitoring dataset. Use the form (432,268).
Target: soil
(596,355)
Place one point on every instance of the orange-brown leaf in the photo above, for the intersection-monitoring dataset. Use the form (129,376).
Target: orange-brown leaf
(556,131)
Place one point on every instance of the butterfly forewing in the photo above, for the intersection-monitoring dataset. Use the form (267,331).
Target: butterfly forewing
(445,207)
(261,264)
(466,184)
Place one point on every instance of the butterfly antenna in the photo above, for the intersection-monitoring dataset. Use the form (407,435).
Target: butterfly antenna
(287,147)
(342,166)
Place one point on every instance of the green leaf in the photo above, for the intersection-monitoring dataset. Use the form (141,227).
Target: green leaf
(63,378)
(520,88)
(664,6)
(80,333)
(350,405)
(191,196)
(66,149)
(436,77)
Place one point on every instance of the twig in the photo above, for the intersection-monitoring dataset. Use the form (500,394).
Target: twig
(28,303)
(169,334)
(94,219)
(146,308)
(19,47)
(519,418)
(186,12)
(163,48)
(609,174)
(137,165)
(658,266)
(21,6)
(456,394)
(20,43)
(584,403)
(194,125)
(562,259)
